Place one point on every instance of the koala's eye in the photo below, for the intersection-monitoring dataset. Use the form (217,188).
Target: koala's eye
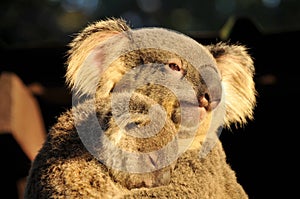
(174,66)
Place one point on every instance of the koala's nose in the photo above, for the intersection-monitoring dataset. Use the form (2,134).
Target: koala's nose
(208,101)
(204,101)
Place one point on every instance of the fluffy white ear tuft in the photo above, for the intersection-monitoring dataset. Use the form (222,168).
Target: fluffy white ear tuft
(82,45)
(237,71)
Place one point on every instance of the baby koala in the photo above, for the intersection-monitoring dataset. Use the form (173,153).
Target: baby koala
(148,106)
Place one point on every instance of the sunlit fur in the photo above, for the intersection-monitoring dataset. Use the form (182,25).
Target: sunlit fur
(83,44)
(237,70)
(64,168)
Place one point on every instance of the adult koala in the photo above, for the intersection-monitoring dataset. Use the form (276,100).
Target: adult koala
(148,106)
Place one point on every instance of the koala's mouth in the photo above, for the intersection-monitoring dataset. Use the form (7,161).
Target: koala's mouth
(193,111)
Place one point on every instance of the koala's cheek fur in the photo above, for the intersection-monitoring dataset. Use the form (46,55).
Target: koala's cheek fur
(201,132)
(109,78)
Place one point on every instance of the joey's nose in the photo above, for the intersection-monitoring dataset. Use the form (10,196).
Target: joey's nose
(208,102)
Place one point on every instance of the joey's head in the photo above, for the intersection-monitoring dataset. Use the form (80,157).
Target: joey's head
(152,94)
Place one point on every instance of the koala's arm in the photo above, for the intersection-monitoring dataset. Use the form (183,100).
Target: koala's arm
(64,168)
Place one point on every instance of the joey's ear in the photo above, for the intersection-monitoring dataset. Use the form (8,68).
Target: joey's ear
(83,44)
(237,71)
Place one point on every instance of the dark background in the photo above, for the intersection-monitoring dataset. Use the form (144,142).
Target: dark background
(34,37)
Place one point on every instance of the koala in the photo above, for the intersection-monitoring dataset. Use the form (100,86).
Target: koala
(148,106)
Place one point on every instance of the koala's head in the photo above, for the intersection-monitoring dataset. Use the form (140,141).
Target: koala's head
(155,92)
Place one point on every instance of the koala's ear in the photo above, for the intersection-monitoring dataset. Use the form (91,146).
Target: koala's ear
(237,71)
(83,44)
